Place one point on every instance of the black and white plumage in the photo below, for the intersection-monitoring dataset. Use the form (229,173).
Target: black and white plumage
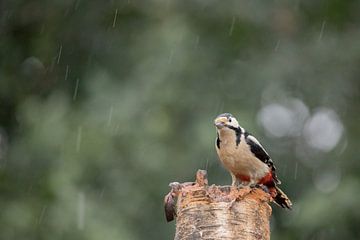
(245,158)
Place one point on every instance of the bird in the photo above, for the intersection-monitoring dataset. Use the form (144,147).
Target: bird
(246,159)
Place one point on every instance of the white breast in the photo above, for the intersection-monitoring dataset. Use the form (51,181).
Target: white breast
(239,159)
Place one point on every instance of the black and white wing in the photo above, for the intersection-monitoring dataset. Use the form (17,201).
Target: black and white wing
(258,150)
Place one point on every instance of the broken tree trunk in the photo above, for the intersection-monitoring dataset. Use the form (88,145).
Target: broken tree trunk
(218,212)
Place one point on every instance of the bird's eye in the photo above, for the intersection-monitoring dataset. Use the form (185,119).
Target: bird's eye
(229,119)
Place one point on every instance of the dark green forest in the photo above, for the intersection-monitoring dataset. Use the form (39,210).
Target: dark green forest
(103,103)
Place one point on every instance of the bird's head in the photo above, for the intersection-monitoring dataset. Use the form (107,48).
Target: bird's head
(226,120)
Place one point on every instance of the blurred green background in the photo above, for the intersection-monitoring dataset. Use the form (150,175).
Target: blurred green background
(103,103)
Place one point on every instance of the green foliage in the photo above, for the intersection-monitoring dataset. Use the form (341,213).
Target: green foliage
(103,103)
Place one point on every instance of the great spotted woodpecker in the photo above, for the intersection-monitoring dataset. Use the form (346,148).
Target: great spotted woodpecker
(246,160)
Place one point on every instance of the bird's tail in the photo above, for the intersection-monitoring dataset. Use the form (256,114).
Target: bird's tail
(281,199)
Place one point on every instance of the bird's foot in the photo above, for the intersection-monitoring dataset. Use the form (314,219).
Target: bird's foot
(236,187)
(261,186)
(237,182)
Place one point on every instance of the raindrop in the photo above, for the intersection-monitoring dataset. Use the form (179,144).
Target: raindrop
(322,30)
(59,54)
(76,89)
(81,211)
(43,210)
(67,71)
(232,26)
(78,139)
(277,46)
(296,170)
(343,147)
(110,116)
(115,17)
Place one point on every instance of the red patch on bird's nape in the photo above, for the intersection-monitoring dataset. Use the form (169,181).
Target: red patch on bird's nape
(243,178)
(267,179)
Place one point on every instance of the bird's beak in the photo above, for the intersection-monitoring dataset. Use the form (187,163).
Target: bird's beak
(220,122)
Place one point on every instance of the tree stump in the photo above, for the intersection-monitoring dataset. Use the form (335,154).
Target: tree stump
(218,212)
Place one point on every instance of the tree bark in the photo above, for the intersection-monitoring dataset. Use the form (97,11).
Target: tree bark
(218,212)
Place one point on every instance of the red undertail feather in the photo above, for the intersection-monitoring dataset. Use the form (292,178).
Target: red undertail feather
(276,193)
(267,179)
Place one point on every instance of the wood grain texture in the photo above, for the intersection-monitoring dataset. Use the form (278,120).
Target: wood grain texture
(221,212)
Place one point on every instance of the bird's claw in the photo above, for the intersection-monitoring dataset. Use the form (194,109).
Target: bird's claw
(260,186)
